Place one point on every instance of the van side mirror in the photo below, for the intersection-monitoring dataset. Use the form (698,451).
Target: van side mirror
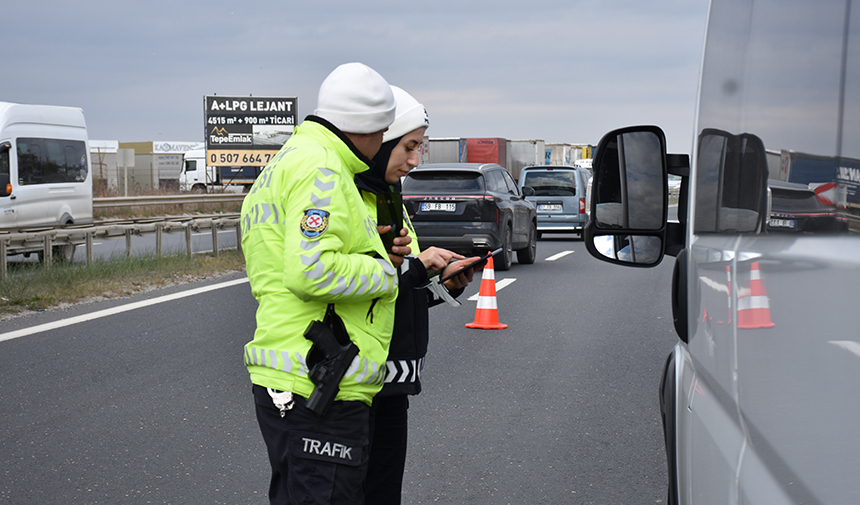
(629,197)
(5,185)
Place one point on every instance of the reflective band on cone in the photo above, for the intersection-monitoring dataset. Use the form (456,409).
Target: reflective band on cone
(487,312)
(753,306)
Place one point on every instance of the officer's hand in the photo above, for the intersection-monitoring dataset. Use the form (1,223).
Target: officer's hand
(400,248)
(463,279)
(401,243)
(436,258)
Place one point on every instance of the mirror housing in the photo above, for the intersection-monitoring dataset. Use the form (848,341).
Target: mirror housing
(629,197)
(528,191)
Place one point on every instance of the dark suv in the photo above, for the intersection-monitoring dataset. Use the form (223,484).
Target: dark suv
(471,208)
(796,208)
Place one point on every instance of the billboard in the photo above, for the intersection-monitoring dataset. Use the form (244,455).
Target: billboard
(246,130)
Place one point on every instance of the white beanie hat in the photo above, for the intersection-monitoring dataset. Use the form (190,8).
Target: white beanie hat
(409,115)
(356,99)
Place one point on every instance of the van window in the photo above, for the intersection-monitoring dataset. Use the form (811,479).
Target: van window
(555,183)
(4,159)
(48,161)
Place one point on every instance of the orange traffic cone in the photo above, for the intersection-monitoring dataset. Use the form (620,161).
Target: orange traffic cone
(487,313)
(753,306)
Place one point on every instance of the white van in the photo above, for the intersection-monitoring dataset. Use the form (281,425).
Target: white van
(760,397)
(45,176)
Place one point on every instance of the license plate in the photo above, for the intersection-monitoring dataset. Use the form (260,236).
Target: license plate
(549,206)
(444,207)
(782,223)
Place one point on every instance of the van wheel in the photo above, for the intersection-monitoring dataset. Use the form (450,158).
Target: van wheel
(528,254)
(507,255)
(65,253)
(60,253)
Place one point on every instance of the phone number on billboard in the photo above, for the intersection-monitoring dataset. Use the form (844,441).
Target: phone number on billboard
(247,158)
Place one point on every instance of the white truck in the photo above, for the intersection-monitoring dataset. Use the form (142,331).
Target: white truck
(45,175)
(198,177)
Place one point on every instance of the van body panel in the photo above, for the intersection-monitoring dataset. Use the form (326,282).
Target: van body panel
(760,396)
(785,75)
(49,164)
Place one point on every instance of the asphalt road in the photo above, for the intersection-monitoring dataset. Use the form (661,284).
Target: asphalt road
(153,405)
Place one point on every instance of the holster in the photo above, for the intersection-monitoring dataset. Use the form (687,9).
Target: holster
(328,359)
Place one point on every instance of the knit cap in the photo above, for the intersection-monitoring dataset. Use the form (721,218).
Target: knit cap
(356,99)
(409,115)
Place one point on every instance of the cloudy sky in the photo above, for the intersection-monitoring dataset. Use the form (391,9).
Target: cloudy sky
(554,70)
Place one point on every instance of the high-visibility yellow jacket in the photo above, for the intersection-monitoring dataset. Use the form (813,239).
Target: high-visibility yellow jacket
(309,240)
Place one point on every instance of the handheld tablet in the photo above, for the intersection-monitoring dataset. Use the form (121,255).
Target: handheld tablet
(478,262)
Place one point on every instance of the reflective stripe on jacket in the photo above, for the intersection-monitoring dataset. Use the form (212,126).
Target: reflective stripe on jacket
(308,241)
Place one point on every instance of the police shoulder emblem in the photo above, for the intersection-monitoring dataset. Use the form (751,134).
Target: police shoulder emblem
(314,223)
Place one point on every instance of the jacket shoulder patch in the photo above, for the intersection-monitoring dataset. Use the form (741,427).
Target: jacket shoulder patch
(314,223)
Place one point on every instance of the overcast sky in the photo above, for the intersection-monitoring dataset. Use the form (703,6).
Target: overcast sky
(558,71)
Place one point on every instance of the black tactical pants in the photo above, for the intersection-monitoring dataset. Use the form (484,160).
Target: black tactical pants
(389,423)
(315,460)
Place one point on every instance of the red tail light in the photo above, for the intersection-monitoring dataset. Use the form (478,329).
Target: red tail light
(582,205)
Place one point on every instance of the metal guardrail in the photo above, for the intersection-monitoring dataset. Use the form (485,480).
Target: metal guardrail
(44,240)
(138,201)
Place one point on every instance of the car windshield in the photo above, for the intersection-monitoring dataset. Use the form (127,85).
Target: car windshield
(555,183)
(443,181)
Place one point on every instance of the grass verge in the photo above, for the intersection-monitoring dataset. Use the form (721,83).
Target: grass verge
(31,287)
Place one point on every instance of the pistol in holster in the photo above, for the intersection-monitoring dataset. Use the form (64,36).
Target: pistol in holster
(329,358)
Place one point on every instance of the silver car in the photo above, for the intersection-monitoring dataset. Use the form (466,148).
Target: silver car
(558,193)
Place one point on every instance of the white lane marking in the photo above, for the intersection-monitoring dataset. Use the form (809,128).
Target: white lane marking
(115,310)
(849,345)
(559,255)
(500,285)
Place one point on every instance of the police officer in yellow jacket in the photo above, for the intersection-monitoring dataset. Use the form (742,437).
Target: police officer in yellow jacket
(312,249)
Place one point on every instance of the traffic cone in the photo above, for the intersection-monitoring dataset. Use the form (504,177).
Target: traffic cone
(753,306)
(487,312)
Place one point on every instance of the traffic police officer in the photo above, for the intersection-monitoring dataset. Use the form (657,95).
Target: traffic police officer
(310,245)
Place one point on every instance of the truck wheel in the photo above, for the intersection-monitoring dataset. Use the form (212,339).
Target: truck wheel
(198,189)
